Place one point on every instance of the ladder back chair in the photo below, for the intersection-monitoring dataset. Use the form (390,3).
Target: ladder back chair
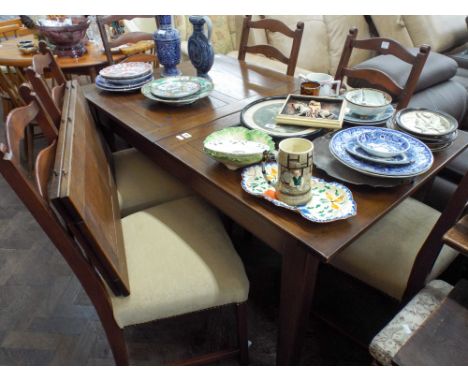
(130,37)
(158,247)
(404,250)
(45,65)
(12,28)
(378,77)
(269,51)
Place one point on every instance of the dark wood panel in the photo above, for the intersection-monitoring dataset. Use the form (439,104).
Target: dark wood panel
(85,194)
(442,340)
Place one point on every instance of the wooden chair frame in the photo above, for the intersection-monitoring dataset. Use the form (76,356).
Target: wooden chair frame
(429,252)
(33,193)
(268,50)
(45,65)
(130,37)
(377,77)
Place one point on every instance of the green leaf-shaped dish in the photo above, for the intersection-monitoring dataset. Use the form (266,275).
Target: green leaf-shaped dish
(237,146)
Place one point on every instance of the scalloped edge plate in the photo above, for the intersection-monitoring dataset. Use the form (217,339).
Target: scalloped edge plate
(331,201)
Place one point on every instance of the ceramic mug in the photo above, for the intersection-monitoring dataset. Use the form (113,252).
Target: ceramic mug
(294,171)
(326,83)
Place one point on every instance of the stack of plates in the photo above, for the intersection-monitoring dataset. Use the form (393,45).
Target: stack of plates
(178,90)
(414,157)
(377,119)
(124,77)
(436,129)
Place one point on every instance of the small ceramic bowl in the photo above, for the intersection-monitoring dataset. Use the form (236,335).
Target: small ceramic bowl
(367,102)
(384,144)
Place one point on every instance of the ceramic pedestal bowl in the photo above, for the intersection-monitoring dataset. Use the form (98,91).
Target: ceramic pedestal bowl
(367,102)
(237,146)
(67,39)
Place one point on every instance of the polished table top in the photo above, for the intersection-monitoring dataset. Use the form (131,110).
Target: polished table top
(235,87)
(10,55)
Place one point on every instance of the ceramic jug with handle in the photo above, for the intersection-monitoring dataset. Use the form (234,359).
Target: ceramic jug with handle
(200,50)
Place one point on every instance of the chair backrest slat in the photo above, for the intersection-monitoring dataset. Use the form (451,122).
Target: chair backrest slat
(267,50)
(84,190)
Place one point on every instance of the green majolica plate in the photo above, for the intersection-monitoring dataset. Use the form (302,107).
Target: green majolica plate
(237,146)
(330,200)
(175,87)
(206,87)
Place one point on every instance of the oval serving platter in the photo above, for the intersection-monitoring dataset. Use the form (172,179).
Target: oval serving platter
(330,201)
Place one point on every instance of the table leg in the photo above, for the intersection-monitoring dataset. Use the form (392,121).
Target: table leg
(298,277)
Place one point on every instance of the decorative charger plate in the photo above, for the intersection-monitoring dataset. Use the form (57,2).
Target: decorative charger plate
(206,87)
(419,154)
(175,87)
(126,70)
(356,119)
(330,201)
(261,115)
(426,122)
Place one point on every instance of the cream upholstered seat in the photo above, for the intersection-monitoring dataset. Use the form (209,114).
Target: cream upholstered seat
(179,260)
(398,331)
(141,183)
(384,255)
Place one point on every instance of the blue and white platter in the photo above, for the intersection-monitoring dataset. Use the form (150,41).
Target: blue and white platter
(103,84)
(356,119)
(419,155)
(354,149)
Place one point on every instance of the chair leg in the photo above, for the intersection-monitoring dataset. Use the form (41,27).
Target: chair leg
(116,339)
(242,336)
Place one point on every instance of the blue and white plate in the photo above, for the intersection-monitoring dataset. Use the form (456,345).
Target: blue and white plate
(129,81)
(356,119)
(419,154)
(354,149)
(103,84)
(383,143)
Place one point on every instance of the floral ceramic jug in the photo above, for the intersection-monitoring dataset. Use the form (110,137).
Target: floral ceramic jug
(167,39)
(200,50)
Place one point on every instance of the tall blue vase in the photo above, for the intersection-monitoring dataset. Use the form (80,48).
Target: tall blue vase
(167,39)
(200,50)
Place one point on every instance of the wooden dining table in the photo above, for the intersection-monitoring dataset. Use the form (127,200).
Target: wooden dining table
(173,137)
(88,64)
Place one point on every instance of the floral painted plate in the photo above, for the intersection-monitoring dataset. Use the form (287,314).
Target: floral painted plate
(237,146)
(330,201)
(175,87)
(126,70)
(206,87)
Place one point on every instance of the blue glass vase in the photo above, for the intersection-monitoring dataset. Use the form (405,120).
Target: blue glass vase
(200,50)
(167,40)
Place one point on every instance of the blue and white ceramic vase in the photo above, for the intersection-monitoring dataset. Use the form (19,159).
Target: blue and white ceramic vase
(167,39)
(200,50)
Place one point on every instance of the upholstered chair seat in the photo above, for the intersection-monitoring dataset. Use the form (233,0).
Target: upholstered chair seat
(141,183)
(179,260)
(391,339)
(384,255)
